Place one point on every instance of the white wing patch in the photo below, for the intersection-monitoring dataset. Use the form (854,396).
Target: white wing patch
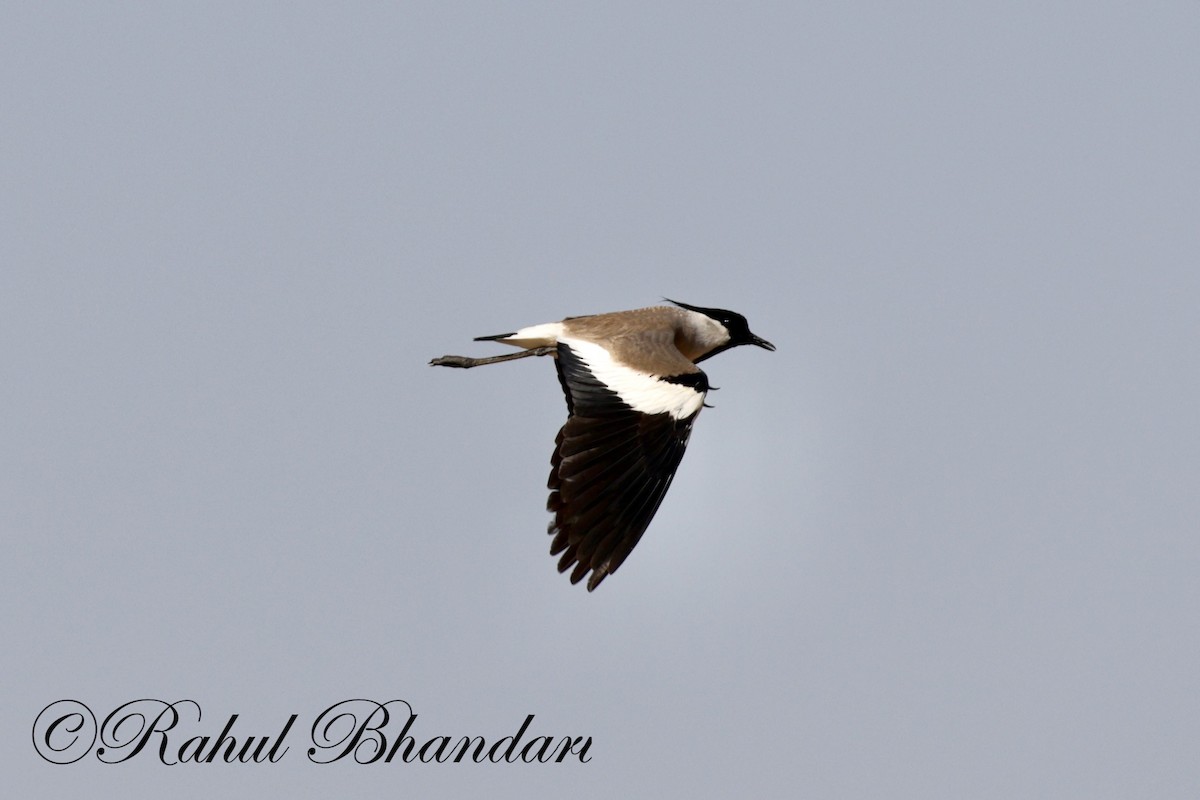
(644,393)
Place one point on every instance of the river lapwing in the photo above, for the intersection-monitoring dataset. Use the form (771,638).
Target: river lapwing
(633,391)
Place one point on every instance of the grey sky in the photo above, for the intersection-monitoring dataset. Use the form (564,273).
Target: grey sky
(942,544)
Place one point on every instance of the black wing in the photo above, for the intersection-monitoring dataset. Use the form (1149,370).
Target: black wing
(610,470)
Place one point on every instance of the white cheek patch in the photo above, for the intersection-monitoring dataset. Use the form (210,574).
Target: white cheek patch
(644,393)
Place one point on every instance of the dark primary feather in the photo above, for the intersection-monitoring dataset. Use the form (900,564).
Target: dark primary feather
(609,472)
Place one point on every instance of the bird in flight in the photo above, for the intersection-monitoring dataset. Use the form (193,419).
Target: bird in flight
(633,392)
